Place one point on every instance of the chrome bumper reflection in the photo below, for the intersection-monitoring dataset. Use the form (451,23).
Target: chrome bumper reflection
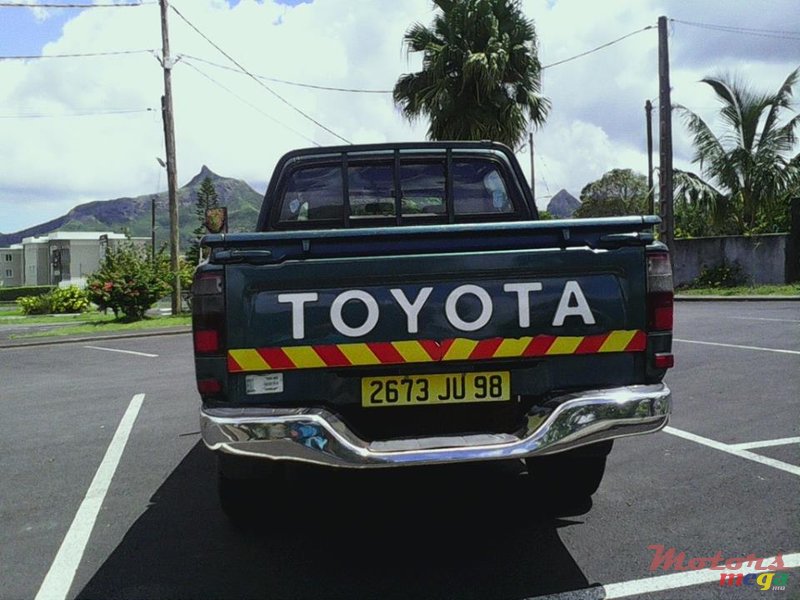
(315,435)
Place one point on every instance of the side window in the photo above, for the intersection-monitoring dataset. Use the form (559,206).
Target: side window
(313,194)
(423,188)
(371,190)
(479,188)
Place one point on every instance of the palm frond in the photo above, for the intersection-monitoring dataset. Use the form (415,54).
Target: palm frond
(781,100)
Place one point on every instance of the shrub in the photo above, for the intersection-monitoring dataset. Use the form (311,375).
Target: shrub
(721,276)
(58,301)
(129,281)
(70,299)
(34,305)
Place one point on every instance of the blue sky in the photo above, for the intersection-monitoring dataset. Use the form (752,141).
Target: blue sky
(68,140)
(25,35)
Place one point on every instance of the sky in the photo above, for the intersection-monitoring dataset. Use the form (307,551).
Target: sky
(74,130)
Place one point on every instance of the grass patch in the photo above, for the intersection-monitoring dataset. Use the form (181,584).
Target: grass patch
(743,290)
(107,324)
(17,318)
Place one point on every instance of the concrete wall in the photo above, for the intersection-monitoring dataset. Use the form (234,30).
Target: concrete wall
(761,257)
(84,259)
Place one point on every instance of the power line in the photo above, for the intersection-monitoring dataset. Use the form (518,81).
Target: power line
(75,55)
(287,82)
(770,33)
(123,111)
(256,79)
(50,5)
(250,104)
(606,45)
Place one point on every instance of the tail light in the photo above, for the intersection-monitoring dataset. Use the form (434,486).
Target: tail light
(659,306)
(208,312)
(209,387)
(659,292)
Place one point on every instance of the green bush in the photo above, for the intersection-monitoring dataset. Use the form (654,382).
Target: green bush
(58,301)
(34,305)
(721,276)
(69,300)
(129,281)
(10,294)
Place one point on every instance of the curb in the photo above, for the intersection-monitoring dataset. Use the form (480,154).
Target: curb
(77,340)
(698,298)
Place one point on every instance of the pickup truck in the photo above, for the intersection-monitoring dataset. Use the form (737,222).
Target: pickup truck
(401,304)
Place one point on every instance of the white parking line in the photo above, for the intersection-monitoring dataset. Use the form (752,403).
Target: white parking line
(59,578)
(662,583)
(738,346)
(766,319)
(764,460)
(766,443)
(122,351)
(650,585)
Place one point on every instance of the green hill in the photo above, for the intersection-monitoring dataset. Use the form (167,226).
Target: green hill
(132,215)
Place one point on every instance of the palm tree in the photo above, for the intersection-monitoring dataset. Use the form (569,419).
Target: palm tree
(480,76)
(746,173)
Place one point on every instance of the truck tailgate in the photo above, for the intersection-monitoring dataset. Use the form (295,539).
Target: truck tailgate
(551,306)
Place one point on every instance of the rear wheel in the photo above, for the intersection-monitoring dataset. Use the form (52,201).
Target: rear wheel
(247,487)
(570,477)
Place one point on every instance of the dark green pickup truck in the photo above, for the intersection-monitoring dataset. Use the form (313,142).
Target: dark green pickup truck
(401,304)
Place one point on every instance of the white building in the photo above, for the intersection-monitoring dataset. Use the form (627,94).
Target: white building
(58,258)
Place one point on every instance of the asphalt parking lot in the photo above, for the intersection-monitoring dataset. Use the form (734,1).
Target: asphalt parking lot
(107,491)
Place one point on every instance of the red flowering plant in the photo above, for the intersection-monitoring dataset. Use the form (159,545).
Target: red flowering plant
(129,281)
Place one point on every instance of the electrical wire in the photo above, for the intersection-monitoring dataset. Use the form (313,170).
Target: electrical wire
(256,79)
(287,82)
(51,5)
(250,104)
(770,33)
(75,55)
(123,111)
(601,47)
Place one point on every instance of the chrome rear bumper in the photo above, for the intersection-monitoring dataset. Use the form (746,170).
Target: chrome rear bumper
(315,435)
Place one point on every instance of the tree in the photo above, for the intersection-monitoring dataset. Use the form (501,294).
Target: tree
(480,78)
(746,176)
(618,192)
(206,198)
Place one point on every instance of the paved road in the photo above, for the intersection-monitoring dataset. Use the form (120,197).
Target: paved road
(468,532)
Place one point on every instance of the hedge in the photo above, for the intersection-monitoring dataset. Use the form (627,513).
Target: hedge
(9,294)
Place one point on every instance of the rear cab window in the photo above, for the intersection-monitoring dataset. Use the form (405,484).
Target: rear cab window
(395,189)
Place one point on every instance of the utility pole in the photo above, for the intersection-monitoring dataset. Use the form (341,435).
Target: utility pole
(665,137)
(153,228)
(172,176)
(651,197)
(533,181)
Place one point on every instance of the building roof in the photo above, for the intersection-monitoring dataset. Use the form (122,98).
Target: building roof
(76,236)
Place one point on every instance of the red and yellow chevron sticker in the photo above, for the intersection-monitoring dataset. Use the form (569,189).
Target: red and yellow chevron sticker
(426,351)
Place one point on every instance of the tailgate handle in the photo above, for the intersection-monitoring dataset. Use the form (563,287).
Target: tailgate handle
(638,238)
(250,256)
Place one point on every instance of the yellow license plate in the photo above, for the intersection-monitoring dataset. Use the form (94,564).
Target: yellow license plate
(444,388)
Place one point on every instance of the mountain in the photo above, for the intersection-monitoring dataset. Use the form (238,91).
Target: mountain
(133,214)
(563,204)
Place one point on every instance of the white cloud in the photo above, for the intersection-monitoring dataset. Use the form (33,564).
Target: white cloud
(597,121)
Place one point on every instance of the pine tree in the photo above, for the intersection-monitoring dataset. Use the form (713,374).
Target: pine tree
(206,198)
